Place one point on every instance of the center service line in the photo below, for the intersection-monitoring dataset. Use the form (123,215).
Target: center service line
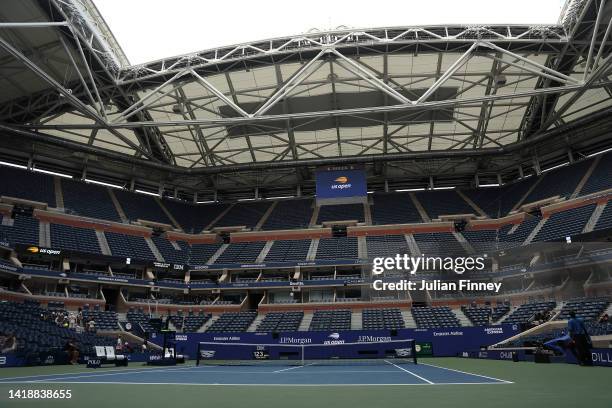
(410,372)
(292,368)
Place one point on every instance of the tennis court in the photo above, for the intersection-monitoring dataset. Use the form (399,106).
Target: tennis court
(384,373)
(458,383)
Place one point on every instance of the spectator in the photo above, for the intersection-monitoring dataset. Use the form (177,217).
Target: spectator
(581,341)
(10,343)
(604,319)
(91,326)
(73,351)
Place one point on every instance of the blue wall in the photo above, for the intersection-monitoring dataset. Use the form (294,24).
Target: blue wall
(446,341)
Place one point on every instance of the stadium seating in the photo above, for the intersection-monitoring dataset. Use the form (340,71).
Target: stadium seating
(520,234)
(588,309)
(36,331)
(375,319)
(441,243)
(525,313)
(232,322)
(394,208)
(323,320)
(340,212)
(201,253)
(601,178)
(169,253)
(483,316)
(280,321)
(104,320)
(129,246)
(289,214)
(386,245)
(245,214)
(337,248)
(191,322)
(241,252)
(482,241)
(97,202)
(443,202)
(564,224)
(193,218)
(139,320)
(288,250)
(562,182)
(434,316)
(25,230)
(74,239)
(28,185)
(141,206)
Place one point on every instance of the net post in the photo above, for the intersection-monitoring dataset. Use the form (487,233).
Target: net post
(198,354)
(303,357)
(413,347)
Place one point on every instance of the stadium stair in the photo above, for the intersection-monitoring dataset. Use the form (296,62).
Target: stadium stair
(44,234)
(217,254)
(312,251)
(118,207)
(412,245)
(504,317)
(464,243)
(356,320)
(168,214)
(362,247)
(158,256)
(103,242)
(315,216)
(219,217)
(367,213)
(527,194)
(587,175)
(408,319)
(265,217)
(305,323)
(264,251)
(535,231)
(253,326)
(463,319)
(59,195)
(208,323)
(419,207)
(471,203)
(592,222)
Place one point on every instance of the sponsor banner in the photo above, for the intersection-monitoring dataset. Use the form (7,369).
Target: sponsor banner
(424,348)
(339,185)
(600,356)
(169,266)
(38,250)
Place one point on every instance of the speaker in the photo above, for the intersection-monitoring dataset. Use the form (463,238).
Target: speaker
(393,332)
(275,335)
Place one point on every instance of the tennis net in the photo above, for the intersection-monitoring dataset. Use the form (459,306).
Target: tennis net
(217,353)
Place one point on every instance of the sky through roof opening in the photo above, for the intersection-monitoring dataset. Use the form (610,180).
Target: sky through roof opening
(149,30)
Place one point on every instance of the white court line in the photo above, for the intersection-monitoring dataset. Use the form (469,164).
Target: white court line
(266,384)
(60,377)
(410,372)
(292,368)
(154,369)
(465,372)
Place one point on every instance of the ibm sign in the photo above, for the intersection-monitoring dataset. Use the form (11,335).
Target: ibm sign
(340,185)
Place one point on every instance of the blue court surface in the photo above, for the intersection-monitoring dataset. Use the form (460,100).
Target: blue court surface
(387,373)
